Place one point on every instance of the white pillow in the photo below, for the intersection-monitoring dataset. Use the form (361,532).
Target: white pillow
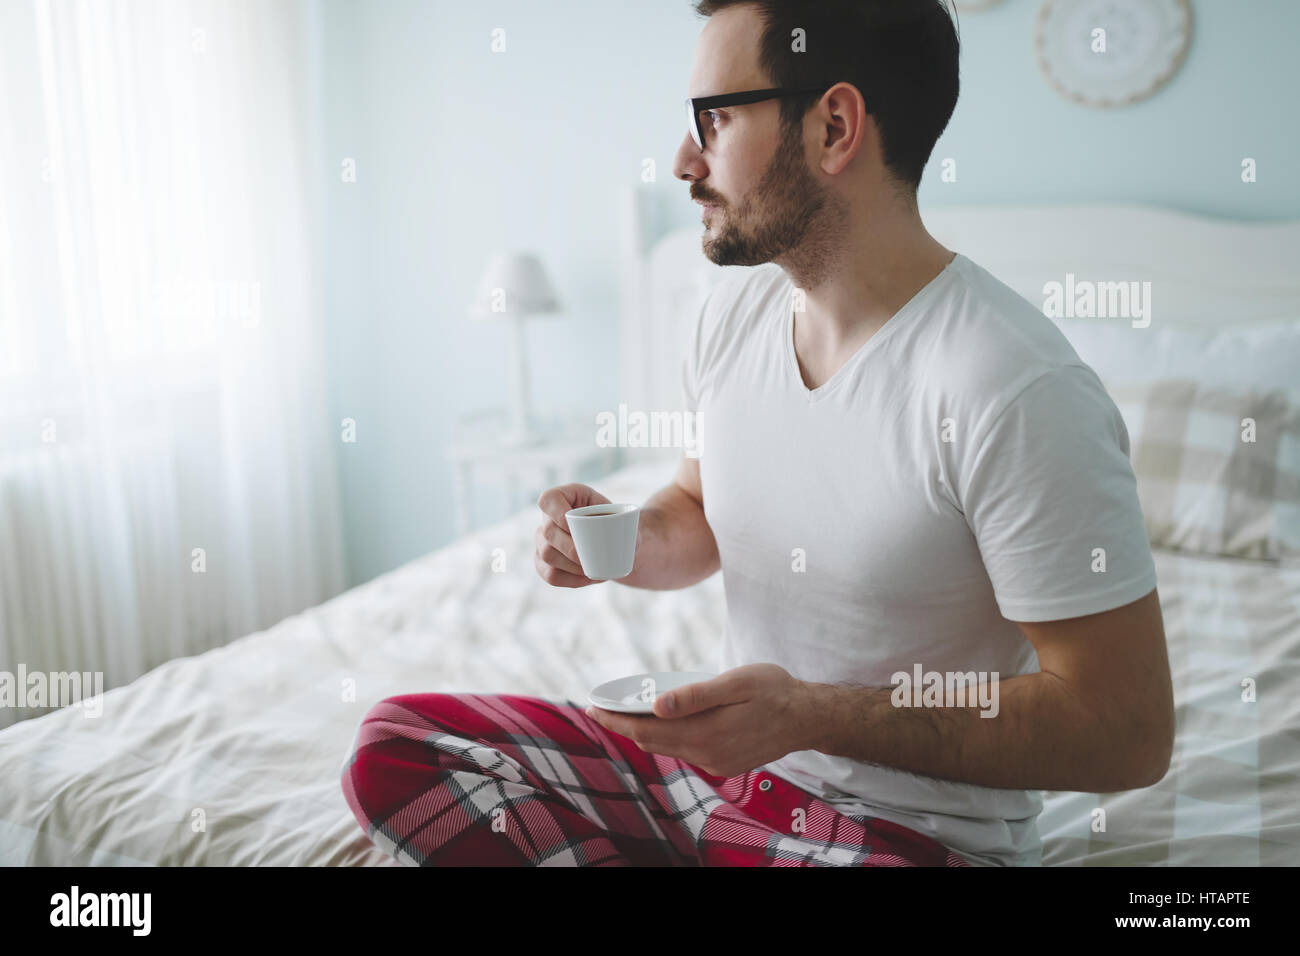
(1260,356)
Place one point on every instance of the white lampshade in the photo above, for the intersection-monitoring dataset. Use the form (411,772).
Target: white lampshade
(525,288)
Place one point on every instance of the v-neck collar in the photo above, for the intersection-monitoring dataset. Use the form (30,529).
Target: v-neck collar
(870,345)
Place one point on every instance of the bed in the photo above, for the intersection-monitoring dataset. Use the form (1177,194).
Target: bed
(233,757)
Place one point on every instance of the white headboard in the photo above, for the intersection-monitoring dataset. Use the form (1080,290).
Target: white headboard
(1203,271)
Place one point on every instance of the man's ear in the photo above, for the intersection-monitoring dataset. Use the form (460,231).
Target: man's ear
(848,127)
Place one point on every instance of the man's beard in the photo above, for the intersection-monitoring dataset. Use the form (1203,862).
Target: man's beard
(776,216)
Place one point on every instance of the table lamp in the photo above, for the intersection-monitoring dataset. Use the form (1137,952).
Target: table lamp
(515,286)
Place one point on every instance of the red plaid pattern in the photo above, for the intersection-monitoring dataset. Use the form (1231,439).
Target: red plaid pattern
(496,779)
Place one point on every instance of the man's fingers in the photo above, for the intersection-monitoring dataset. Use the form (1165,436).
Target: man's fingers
(552,540)
(555,559)
(636,727)
(555,502)
(651,735)
(555,555)
(560,579)
(693,698)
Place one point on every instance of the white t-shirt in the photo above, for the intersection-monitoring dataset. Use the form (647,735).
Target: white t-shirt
(958,473)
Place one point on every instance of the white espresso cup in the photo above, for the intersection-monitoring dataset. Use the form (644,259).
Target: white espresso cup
(605,536)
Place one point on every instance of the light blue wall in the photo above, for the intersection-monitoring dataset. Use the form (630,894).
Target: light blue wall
(1016,140)
(460,151)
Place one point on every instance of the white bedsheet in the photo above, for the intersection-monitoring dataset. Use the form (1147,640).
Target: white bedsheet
(234,757)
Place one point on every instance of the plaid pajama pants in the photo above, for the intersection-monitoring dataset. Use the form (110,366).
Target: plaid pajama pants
(497,779)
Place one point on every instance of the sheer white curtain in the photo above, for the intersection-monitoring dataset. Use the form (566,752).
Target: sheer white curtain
(166,463)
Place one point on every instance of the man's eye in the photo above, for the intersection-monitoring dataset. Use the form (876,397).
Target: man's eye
(712,117)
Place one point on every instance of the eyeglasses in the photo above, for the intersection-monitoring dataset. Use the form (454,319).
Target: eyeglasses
(697,105)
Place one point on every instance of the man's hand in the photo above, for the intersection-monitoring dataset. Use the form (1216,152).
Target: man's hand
(735,722)
(554,554)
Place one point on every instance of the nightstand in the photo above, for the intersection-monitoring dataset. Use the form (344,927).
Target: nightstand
(564,452)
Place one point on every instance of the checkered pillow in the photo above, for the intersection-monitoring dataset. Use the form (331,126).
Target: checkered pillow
(1213,418)
(1218,471)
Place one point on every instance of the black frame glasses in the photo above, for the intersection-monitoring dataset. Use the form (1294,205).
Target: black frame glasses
(698,104)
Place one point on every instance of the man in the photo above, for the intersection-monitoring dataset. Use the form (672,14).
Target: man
(906,471)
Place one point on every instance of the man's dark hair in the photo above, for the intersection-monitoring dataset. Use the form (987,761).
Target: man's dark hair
(900,54)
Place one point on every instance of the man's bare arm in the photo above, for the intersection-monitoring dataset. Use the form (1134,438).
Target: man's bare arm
(675,547)
(674,544)
(1098,717)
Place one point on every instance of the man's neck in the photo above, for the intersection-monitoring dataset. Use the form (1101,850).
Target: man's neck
(878,261)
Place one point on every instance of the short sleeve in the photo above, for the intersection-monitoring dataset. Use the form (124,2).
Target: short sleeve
(690,391)
(1051,498)
(690,366)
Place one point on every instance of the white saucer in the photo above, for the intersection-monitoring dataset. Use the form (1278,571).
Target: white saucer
(624,695)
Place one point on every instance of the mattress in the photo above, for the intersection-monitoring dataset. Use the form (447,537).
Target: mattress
(233,757)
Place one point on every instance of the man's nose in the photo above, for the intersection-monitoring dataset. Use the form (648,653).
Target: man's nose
(689,163)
